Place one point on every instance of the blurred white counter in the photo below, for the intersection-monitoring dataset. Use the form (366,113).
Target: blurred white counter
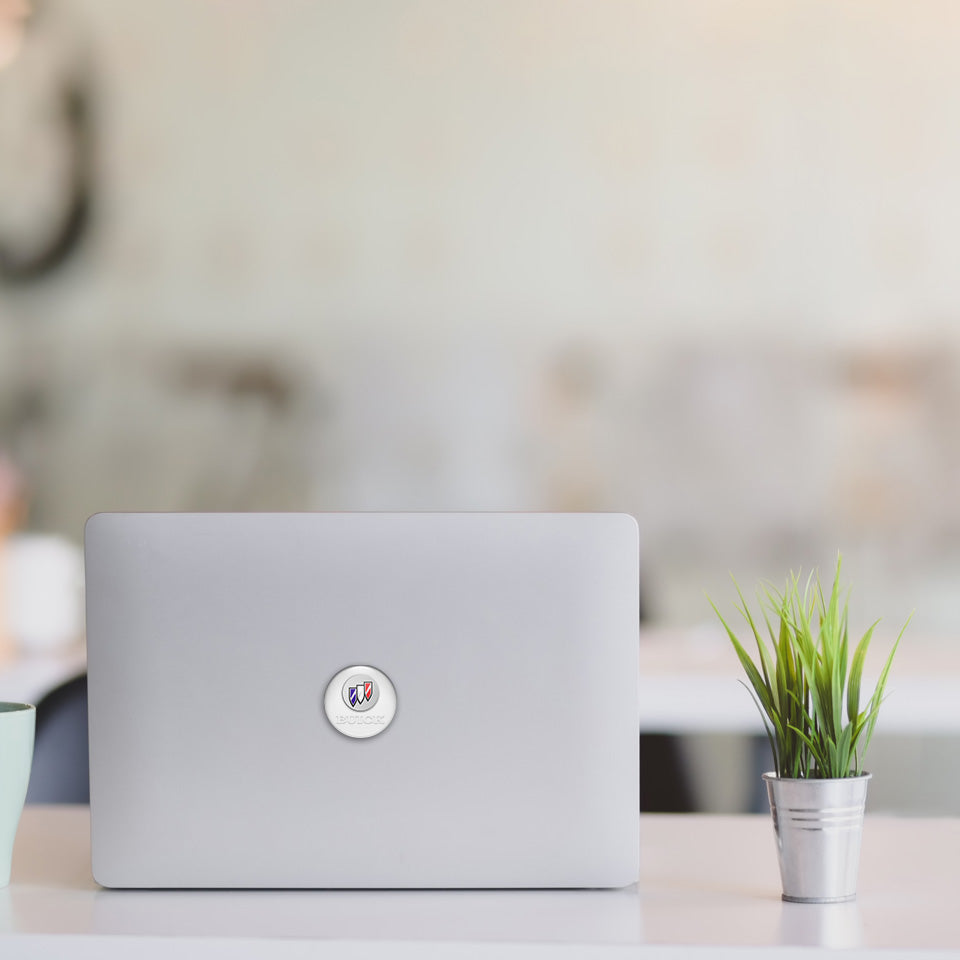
(28,679)
(689,684)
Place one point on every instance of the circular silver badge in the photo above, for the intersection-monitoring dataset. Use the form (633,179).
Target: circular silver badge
(360,702)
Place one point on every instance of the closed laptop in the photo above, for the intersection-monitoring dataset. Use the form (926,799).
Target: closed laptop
(363,700)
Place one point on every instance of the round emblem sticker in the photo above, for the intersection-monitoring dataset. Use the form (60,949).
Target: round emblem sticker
(360,702)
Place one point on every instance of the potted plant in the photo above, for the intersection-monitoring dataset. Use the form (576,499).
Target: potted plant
(807,686)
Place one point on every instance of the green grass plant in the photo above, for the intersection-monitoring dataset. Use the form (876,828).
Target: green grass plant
(805,681)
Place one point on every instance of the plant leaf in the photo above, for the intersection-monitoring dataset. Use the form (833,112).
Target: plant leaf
(877,698)
(856,672)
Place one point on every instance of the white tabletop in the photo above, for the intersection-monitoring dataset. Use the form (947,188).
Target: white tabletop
(689,684)
(707,885)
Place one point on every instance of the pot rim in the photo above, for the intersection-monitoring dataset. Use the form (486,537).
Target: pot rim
(771,775)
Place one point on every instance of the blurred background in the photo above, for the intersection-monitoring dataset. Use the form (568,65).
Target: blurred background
(694,260)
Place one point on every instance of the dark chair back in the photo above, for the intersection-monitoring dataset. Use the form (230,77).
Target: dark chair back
(61,757)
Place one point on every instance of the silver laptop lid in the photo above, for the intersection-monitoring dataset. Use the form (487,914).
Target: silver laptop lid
(363,700)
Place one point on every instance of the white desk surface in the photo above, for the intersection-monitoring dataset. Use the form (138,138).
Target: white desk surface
(708,886)
(689,684)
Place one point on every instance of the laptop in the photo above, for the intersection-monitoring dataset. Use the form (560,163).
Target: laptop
(363,700)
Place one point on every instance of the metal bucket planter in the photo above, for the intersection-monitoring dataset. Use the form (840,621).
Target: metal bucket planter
(818,825)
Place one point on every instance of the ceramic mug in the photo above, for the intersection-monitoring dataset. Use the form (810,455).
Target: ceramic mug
(17,724)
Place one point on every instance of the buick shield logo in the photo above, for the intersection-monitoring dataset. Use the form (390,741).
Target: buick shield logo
(360,692)
(360,701)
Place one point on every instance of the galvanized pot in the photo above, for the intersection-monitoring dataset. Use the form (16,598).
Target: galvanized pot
(818,825)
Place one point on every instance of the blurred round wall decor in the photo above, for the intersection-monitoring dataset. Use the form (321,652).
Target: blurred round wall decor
(46,163)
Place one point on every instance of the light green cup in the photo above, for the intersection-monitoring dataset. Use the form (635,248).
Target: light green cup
(17,724)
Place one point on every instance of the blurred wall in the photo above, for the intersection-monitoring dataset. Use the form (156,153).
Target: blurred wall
(692,259)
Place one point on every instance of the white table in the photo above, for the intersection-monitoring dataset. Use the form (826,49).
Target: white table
(708,886)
